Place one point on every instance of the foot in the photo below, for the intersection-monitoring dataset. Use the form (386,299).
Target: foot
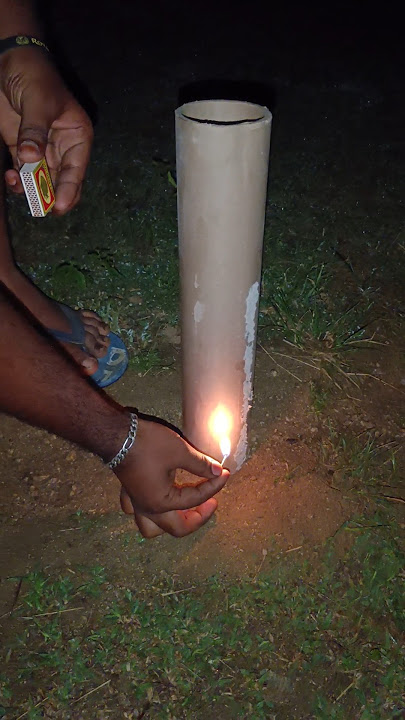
(50,315)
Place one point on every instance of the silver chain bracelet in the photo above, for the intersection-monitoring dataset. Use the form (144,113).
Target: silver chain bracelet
(129,441)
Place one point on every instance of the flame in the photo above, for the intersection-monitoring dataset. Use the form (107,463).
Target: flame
(220,422)
(225,446)
(220,425)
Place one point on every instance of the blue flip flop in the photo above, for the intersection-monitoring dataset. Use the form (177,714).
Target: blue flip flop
(110,367)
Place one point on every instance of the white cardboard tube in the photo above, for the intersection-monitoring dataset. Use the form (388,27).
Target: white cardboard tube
(222,165)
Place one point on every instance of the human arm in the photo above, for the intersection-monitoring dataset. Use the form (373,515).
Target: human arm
(40,385)
(18,17)
(38,114)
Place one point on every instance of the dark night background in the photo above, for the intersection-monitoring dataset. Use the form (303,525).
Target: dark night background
(145,57)
(331,73)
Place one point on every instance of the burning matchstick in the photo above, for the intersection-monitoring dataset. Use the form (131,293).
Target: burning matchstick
(220,425)
(225,447)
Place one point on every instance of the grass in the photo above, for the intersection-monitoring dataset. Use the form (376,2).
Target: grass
(362,463)
(330,636)
(146,361)
(117,252)
(297,305)
(132,278)
(118,258)
(319,397)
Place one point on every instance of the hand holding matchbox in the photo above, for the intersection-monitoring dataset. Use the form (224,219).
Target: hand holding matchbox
(38,187)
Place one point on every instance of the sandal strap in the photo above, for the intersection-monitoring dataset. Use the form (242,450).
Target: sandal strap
(77,335)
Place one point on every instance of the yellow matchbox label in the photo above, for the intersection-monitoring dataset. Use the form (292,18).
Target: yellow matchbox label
(38,187)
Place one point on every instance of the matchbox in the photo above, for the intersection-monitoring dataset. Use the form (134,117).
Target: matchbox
(38,188)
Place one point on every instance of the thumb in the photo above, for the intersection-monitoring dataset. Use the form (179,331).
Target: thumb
(199,464)
(184,497)
(188,496)
(36,119)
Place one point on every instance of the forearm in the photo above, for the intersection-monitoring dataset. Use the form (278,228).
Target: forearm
(42,386)
(18,17)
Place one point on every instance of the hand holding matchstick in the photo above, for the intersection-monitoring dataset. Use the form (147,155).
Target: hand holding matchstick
(148,478)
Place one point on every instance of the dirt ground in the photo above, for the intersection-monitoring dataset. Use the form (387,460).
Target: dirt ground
(286,498)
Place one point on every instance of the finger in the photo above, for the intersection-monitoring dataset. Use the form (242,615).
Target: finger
(34,127)
(184,497)
(178,523)
(67,196)
(29,151)
(13,182)
(71,175)
(197,463)
(126,502)
(147,527)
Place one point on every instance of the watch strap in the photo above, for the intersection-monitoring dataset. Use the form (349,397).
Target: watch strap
(21,41)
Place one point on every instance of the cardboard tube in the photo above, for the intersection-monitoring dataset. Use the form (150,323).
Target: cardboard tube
(222,164)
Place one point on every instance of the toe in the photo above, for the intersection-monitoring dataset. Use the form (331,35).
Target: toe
(95,344)
(91,318)
(87,363)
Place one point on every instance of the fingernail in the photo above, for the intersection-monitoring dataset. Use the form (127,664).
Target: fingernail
(216,469)
(30,144)
(87,363)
